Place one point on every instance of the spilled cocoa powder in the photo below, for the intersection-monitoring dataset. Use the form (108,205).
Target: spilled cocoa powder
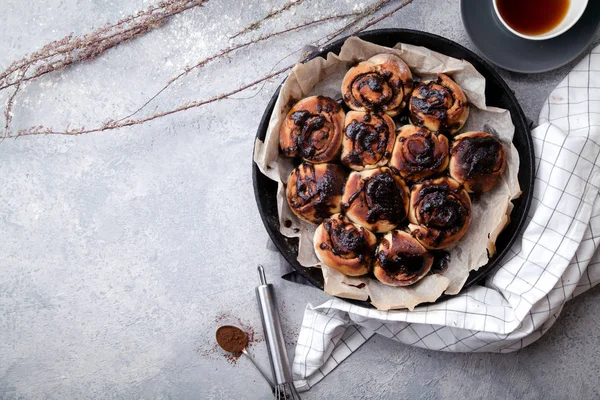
(290,332)
(212,350)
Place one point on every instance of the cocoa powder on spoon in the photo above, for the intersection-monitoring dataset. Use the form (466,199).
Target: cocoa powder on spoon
(232,338)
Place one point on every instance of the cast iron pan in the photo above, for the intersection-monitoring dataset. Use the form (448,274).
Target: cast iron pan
(497,94)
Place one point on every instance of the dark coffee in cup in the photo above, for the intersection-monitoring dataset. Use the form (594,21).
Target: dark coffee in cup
(533,17)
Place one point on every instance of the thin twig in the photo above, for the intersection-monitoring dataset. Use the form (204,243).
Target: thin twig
(255,25)
(329,37)
(111,124)
(369,23)
(231,49)
(369,11)
(373,21)
(9,104)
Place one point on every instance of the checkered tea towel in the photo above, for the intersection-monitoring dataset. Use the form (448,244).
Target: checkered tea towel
(552,260)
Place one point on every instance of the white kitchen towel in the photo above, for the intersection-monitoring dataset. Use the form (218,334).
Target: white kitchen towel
(552,260)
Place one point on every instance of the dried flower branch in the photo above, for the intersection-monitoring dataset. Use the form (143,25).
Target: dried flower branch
(256,24)
(116,124)
(71,49)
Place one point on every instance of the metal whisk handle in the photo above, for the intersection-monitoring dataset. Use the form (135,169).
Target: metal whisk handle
(274,339)
(273,333)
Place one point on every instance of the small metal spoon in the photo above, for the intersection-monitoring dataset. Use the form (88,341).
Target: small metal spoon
(243,338)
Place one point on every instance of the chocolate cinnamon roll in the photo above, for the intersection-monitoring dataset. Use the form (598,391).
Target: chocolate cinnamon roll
(345,246)
(314,191)
(368,140)
(313,130)
(477,160)
(382,83)
(440,212)
(439,105)
(419,153)
(376,199)
(400,260)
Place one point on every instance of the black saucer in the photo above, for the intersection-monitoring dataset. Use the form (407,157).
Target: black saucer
(505,49)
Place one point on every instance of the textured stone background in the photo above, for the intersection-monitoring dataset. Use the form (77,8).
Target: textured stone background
(120,251)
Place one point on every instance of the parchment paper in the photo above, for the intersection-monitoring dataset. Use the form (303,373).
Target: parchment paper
(490,210)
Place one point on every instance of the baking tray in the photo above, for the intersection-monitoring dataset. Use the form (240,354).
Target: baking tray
(497,94)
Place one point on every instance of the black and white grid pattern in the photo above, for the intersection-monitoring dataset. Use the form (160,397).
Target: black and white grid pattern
(552,260)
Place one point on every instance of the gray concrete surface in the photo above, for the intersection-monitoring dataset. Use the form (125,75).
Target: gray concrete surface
(122,251)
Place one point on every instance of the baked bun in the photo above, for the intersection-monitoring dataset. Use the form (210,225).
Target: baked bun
(477,160)
(376,199)
(419,153)
(440,212)
(368,140)
(314,191)
(383,83)
(439,105)
(313,129)
(345,246)
(400,260)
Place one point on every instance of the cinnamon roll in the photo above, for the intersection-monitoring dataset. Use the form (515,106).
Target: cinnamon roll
(345,246)
(477,160)
(439,105)
(313,130)
(314,191)
(376,199)
(418,153)
(400,260)
(368,140)
(440,212)
(382,83)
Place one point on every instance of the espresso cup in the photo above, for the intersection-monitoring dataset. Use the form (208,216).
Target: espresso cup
(575,11)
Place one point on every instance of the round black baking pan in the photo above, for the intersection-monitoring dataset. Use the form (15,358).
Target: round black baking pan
(497,94)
